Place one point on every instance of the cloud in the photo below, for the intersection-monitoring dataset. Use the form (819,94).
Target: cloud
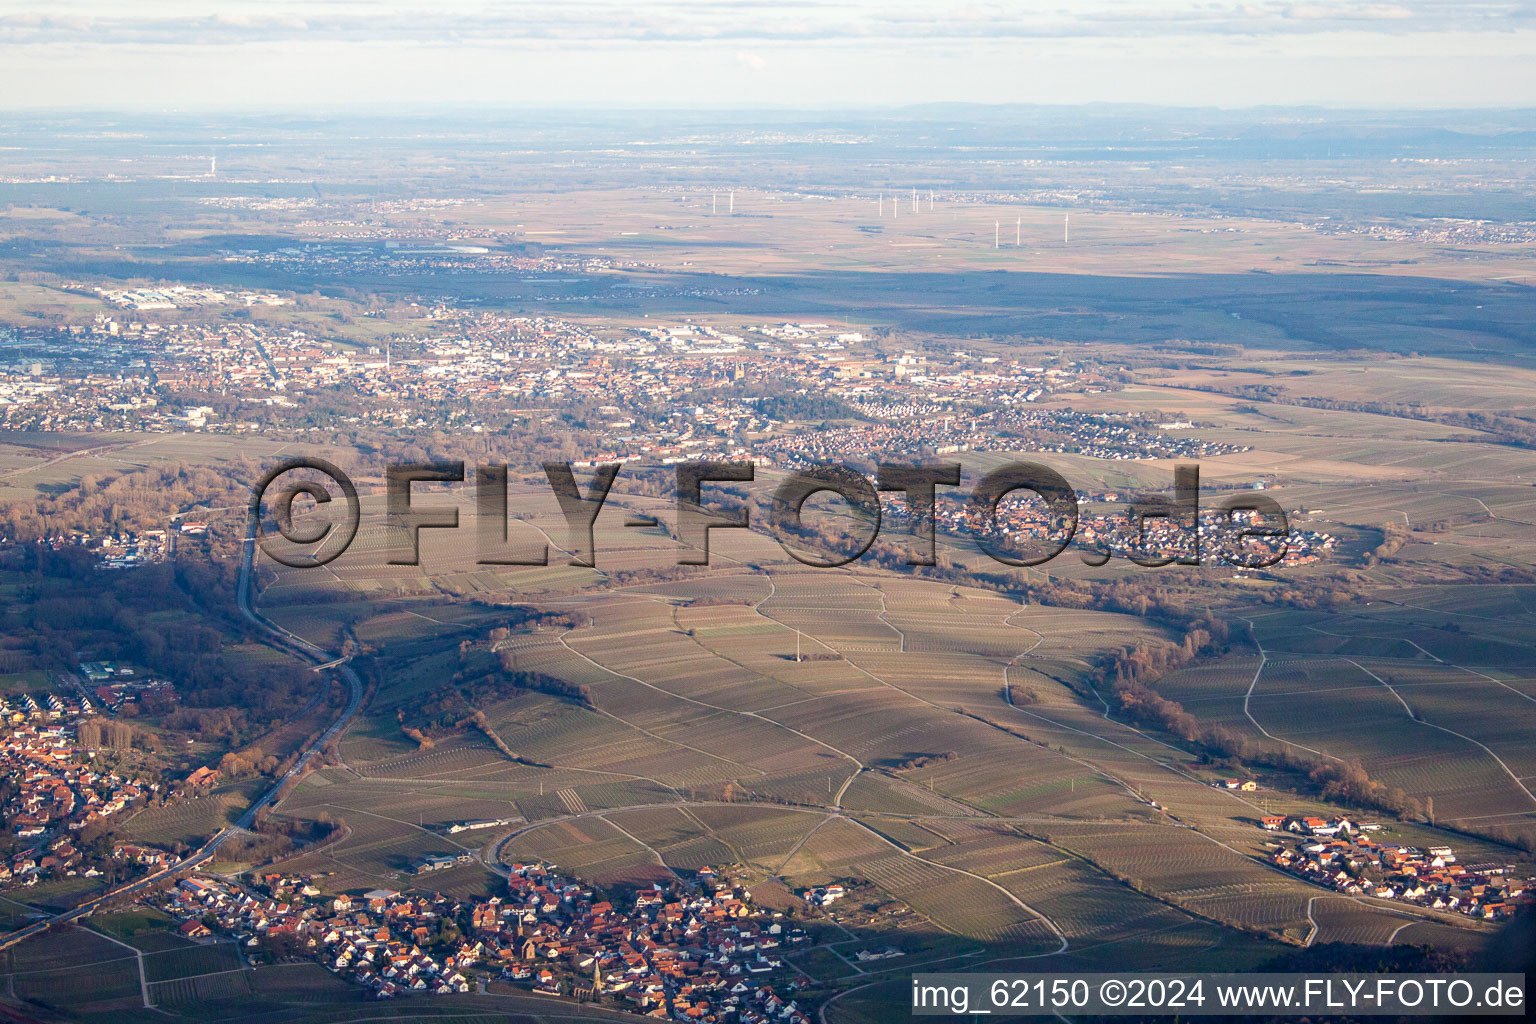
(750,61)
(1344,13)
(744,22)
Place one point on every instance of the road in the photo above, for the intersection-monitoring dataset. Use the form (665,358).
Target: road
(279,637)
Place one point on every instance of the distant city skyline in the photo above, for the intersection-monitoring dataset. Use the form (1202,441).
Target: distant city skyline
(333,54)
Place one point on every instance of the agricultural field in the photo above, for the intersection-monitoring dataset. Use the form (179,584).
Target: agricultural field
(889,756)
(189,820)
(76,971)
(698,702)
(1073,765)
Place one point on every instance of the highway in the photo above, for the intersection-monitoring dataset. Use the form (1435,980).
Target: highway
(289,642)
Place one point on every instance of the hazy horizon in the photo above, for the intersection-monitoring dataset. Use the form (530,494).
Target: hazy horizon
(278,54)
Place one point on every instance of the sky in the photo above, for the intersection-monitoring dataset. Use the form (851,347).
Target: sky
(334,55)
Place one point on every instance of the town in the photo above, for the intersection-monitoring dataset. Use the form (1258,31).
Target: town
(57,802)
(630,391)
(647,394)
(700,950)
(1342,855)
